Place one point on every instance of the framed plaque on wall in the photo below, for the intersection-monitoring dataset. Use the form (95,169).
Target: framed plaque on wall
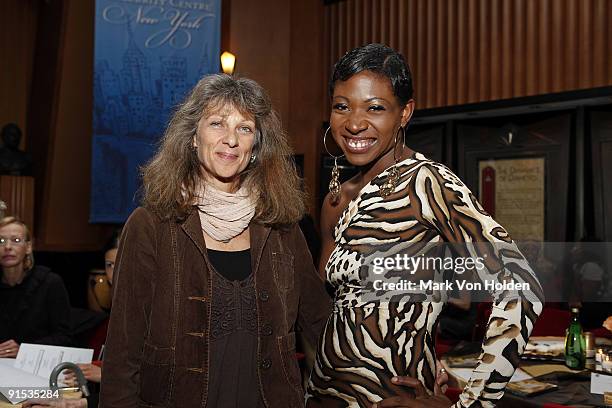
(513,191)
(532,153)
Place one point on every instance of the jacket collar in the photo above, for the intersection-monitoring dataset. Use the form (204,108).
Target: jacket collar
(193,229)
(258,236)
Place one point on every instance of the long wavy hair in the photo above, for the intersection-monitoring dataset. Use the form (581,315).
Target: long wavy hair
(171,178)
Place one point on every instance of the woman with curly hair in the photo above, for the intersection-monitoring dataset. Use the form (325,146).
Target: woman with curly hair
(213,275)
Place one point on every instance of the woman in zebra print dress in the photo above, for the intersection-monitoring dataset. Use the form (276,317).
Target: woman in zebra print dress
(400,199)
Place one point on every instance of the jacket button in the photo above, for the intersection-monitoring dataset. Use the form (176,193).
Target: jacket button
(267,330)
(264,296)
(266,363)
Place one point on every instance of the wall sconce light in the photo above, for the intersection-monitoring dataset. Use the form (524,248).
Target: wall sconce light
(228,61)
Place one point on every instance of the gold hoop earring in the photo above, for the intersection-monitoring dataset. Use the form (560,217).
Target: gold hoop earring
(392,181)
(334,184)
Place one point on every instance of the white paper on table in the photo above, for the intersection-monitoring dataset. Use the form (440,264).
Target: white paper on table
(600,383)
(545,346)
(465,373)
(40,359)
(13,378)
(7,361)
(520,375)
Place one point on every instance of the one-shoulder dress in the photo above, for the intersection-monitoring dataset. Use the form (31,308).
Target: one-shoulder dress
(367,341)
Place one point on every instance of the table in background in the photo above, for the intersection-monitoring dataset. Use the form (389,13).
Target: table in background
(574,387)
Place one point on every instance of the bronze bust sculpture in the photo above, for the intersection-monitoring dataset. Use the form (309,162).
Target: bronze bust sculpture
(12,160)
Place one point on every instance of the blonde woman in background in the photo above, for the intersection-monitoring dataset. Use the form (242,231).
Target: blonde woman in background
(34,303)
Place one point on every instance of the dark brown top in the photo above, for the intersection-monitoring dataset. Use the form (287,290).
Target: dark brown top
(233,332)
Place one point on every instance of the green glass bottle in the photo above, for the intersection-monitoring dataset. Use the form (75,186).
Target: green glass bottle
(575,348)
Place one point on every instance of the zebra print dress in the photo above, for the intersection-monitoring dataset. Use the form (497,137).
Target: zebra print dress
(367,341)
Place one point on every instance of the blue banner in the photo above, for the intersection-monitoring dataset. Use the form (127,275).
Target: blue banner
(148,55)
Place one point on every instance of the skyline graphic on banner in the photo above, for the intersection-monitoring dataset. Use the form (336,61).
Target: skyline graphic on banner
(148,55)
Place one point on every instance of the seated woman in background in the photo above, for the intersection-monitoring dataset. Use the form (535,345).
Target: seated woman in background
(93,372)
(110,255)
(34,304)
(98,337)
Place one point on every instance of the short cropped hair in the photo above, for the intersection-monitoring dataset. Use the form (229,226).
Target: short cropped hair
(380,59)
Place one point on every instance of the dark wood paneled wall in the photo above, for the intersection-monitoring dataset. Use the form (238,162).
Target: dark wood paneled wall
(464,51)
(17,192)
(601,171)
(18,22)
(278,44)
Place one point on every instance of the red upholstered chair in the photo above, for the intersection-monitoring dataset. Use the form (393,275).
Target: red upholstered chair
(443,345)
(602,332)
(97,337)
(453,393)
(552,322)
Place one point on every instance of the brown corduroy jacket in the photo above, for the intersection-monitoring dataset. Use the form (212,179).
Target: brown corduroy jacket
(157,349)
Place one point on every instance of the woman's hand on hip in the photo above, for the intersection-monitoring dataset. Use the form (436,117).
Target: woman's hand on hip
(421,399)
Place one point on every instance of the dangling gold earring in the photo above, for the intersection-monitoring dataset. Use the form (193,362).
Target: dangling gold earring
(334,184)
(392,181)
